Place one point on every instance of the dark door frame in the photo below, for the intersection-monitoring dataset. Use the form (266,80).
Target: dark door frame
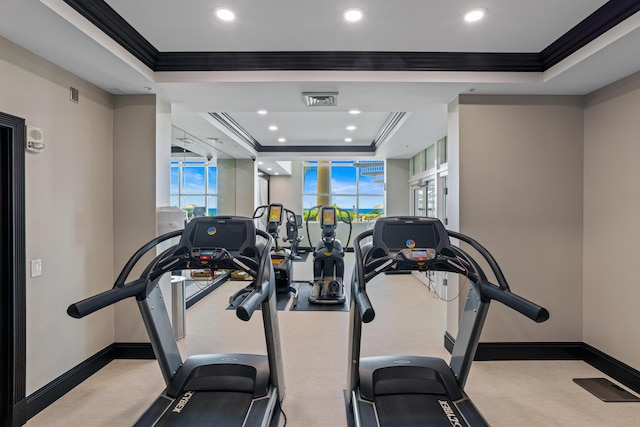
(13,331)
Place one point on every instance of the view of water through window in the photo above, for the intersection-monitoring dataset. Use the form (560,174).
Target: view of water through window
(194,187)
(354,186)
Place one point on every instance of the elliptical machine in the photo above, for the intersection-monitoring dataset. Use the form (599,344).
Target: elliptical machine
(281,258)
(328,256)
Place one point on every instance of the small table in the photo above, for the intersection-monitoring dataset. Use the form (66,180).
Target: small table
(178,306)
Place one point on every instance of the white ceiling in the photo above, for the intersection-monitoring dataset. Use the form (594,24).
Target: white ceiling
(55,31)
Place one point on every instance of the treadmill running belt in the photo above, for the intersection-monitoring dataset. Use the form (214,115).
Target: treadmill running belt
(207,408)
(417,410)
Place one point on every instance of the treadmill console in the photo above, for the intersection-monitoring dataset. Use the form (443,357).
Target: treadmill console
(206,241)
(417,255)
(413,242)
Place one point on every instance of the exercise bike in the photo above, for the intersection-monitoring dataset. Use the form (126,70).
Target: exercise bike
(328,256)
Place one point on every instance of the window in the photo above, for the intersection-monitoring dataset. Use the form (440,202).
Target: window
(194,187)
(355,186)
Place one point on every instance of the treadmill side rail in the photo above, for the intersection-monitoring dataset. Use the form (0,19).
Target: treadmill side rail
(469,330)
(262,410)
(364,413)
(156,321)
(272,340)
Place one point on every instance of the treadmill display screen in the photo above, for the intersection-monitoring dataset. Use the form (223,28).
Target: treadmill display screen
(419,254)
(275,213)
(328,217)
(402,236)
(230,236)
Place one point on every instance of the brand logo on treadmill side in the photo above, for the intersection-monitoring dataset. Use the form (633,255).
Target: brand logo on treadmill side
(410,243)
(451,416)
(211,231)
(183,402)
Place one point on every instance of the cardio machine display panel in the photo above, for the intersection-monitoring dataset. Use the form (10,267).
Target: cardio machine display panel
(328,216)
(275,213)
(409,236)
(229,235)
(417,234)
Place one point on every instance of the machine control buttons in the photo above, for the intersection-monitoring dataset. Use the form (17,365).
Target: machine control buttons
(417,254)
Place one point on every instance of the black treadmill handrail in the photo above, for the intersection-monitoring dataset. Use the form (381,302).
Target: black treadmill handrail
(495,268)
(461,255)
(120,289)
(94,303)
(140,288)
(159,264)
(487,290)
(122,277)
(358,282)
(262,287)
(523,306)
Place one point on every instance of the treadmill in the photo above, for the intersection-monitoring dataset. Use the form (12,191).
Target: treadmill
(404,391)
(211,389)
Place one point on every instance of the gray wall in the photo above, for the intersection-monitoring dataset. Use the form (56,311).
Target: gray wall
(141,139)
(288,189)
(520,182)
(611,220)
(227,192)
(245,187)
(236,192)
(453,207)
(396,179)
(69,209)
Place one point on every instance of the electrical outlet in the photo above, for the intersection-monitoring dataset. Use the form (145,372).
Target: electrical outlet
(36,267)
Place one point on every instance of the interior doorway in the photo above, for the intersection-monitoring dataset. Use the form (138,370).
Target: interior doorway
(12,272)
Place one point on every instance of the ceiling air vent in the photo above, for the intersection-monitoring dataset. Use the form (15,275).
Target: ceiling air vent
(320,99)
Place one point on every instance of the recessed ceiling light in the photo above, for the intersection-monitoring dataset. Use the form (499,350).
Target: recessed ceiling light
(224,14)
(348,139)
(355,111)
(475,15)
(282,140)
(273,127)
(262,112)
(277,173)
(353,15)
(268,169)
(261,163)
(351,127)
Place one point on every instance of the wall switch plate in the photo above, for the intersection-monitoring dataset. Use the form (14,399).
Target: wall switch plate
(36,267)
